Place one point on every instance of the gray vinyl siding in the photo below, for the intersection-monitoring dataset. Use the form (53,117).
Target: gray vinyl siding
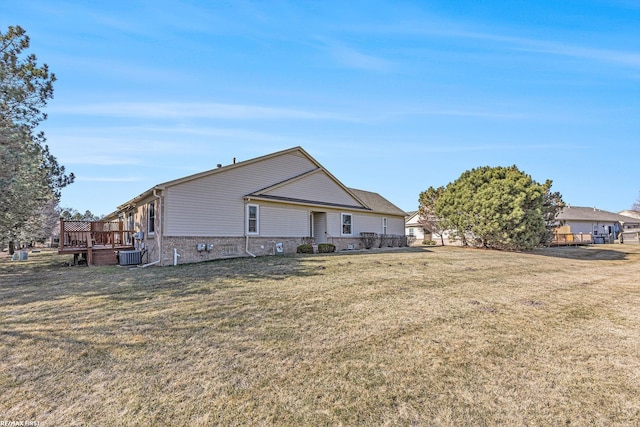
(213,205)
(395,225)
(318,187)
(373,223)
(363,222)
(334,224)
(279,221)
(367,224)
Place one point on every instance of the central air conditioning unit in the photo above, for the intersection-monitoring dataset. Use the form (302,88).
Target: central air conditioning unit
(130,257)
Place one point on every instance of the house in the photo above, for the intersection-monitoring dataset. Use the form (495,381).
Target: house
(631,213)
(631,230)
(591,225)
(416,233)
(263,206)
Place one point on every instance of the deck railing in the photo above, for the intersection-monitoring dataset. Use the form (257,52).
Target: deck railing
(630,236)
(572,239)
(89,234)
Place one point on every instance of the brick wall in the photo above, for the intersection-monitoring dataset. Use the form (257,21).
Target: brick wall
(223,247)
(231,247)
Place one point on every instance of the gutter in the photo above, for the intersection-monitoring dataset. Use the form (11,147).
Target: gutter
(159,199)
(246,235)
(246,246)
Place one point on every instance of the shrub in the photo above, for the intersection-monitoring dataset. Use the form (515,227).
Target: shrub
(305,249)
(368,239)
(325,248)
(429,242)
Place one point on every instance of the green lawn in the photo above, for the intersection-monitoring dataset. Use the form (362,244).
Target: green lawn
(436,336)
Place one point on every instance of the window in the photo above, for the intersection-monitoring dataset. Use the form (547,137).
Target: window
(346,224)
(411,232)
(253,213)
(384,225)
(152,218)
(130,221)
(129,226)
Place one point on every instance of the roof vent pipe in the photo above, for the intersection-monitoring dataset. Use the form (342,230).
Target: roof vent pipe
(219,165)
(234,160)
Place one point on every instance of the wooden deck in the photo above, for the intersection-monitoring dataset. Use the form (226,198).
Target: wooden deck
(96,241)
(571,239)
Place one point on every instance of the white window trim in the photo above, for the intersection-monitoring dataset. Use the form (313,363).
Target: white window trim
(149,232)
(342,215)
(385,223)
(257,219)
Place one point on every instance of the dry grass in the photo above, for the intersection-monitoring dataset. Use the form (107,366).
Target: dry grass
(444,336)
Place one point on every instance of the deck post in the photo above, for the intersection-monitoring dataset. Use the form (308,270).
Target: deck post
(62,239)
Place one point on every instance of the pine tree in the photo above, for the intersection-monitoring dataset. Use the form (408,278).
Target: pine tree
(31,177)
(498,207)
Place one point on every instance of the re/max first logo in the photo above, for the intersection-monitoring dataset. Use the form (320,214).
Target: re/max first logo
(18,423)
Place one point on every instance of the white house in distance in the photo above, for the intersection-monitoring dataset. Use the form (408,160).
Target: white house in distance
(415,232)
(260,206)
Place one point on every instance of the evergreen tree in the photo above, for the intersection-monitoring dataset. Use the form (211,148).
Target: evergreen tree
(31,178)
(498,207)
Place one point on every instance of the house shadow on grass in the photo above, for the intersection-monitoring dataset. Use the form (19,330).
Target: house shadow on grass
(588,253)
(27,284)
(50,280)
(374,251)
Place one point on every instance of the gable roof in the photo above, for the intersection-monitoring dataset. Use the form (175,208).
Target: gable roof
(296,190)
(412,218)
(377,203)
(354,199)
(578,213)
(631,213)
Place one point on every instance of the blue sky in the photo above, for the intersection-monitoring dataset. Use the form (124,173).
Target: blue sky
(391,97)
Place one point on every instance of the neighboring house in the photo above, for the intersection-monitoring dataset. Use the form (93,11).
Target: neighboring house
(631,230)
(601,226)
(632,214)
(261,206)
(415,232)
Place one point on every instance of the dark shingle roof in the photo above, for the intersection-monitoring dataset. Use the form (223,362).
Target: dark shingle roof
(578,213)
(377,203)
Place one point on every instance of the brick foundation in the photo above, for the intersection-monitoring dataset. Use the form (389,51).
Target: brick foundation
(232,247)
(222,247)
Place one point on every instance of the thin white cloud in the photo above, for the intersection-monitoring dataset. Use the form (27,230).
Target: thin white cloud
(92,148)
(227,133)
(352,58)
(176,110)
(610,56)
(534,45)
(485,114)
(630,59)
(97,159)
(108,179)
(452,148)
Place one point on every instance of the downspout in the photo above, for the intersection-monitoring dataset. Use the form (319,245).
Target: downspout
(246,245)
(246,234)
(159,199)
